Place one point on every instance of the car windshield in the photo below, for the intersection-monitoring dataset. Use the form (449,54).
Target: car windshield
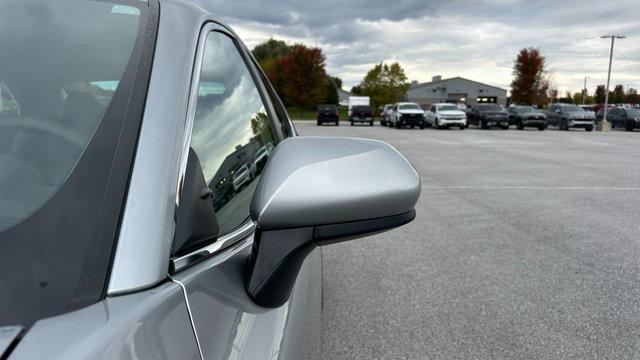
(327,108)
(362,108)
(526,109)
(490,107)
(410,107)
(447,108)
(571,108)
(66,74)
(633,112)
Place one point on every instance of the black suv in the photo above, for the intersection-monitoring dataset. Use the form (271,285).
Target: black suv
(485,116)
(527,116)
(566,116)
(625,118)
(328,114)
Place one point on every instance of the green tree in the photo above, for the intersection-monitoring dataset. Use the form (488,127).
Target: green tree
(330,91)
(617,96)
(337,81)
(577,97)
(600,94)
(529,85)
(384,84)
(269,52)
(632,96)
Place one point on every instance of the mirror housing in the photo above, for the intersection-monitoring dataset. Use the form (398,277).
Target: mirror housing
(317,191)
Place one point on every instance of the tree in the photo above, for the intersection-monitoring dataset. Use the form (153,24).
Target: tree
(330,91)
(617,96)
(337,81)
(384,84)
(577,97)
(553,95)
(305,76)
(529,85)
(269,52)
(632,96)
(600,94)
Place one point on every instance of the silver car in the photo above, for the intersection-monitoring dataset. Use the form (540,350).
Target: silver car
(120,234)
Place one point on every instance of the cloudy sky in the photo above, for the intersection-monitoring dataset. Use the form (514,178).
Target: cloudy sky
(477,39)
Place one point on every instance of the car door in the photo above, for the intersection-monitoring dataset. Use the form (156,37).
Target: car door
(232,118)
(393,114)
(552,115)
(512,115)
(615,117)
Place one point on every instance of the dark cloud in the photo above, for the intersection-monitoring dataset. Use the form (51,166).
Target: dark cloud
(472,38)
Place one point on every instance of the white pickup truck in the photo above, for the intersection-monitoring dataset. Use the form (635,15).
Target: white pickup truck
(407,114)
(446,115)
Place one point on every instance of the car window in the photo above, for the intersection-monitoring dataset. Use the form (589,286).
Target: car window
(8,104)
(231,128)
(70,101)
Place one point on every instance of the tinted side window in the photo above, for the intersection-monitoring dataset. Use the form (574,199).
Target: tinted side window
(232,133)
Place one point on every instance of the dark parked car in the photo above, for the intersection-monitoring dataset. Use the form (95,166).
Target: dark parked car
(114,244)
(361,114)
(527,116)
(624,118)
(485,116)
(328,114)
(565,116)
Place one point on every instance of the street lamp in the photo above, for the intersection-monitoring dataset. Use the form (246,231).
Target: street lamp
(584,90)
(604,124)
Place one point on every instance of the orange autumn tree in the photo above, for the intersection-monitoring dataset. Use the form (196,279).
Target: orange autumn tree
(529,85)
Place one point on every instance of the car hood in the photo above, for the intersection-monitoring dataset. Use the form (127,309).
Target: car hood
(533,114)
(493,113)
(452,112)
(411,111)
(581,115)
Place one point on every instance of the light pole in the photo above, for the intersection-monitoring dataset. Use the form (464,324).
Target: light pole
(604,124)
(584,90)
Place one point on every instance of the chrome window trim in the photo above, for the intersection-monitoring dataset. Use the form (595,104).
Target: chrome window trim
(222,243)
(193,101)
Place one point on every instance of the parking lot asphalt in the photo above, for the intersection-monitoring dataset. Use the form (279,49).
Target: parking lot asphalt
(526,245)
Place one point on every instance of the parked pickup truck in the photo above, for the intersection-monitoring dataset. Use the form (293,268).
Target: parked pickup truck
(446,115)
(527,116)
(407,114)
(361,114)
(485,116)
(566,116)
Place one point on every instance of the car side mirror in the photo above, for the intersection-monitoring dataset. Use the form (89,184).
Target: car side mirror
(317,191)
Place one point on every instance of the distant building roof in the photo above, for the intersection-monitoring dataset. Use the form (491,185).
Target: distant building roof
(453,78)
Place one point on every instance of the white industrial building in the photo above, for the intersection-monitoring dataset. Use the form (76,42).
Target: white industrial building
(456,89)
